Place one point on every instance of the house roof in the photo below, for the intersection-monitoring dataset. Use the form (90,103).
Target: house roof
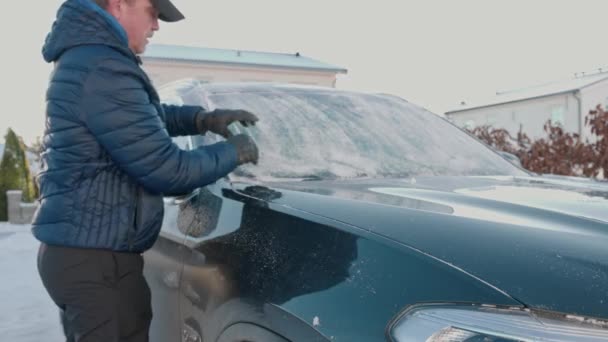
(237,57)
(538,91)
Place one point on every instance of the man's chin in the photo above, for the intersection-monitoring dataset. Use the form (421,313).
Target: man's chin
(141,49)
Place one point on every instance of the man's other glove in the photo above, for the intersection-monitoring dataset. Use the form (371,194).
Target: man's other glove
(246,149)
(218,120)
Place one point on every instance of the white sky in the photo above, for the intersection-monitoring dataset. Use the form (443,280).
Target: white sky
(433,53)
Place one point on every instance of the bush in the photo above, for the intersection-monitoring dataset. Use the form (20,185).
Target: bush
(14,172)
(560,153)
(598,121)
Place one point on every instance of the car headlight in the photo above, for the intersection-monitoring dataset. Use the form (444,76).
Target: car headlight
(483,323)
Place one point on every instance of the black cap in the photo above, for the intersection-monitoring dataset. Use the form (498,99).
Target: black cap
(167,11)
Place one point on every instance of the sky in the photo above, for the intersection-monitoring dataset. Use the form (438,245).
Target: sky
(433,53)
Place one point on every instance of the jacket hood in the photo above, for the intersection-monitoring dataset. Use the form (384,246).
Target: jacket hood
(82,22)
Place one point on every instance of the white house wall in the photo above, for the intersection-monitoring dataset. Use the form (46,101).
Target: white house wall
(164,72)
(531,114)
(591,96)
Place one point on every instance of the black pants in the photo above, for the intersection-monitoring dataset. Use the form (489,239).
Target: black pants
(103,295)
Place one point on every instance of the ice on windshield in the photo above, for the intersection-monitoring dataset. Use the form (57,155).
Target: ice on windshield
(324,133)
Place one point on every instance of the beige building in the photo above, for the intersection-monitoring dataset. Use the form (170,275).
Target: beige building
(166,63)
(565,102)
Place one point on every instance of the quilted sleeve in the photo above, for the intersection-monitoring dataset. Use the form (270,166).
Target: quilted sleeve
(117,110)
(180,119)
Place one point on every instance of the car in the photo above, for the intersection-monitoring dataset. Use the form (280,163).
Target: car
(369,218)
(511,157)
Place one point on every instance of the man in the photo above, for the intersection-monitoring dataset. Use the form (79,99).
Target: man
(109,159)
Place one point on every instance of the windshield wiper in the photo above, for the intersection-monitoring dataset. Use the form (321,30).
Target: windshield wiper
(242,173)
(318,176)
(312,178)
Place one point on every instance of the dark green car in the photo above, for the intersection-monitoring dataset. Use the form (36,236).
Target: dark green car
(369,218)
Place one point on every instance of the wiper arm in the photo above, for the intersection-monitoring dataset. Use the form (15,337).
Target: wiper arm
(312,178)
(317,176)
(238,172)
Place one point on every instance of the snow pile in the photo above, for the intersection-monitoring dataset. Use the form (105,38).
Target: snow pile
(28,314)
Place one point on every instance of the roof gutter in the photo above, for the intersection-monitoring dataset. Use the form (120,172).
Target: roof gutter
(456,111)
(244,64)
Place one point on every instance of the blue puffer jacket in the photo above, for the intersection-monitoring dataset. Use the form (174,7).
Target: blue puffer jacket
(108,155)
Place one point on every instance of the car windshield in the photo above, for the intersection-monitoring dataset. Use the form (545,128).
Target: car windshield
(316,133)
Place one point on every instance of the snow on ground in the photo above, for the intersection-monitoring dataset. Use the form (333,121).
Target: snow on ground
(27,313)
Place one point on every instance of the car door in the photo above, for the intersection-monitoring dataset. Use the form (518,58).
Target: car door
(245,257)
(163,268)
(205,218)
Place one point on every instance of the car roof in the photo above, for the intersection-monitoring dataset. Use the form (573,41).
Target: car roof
(249,87)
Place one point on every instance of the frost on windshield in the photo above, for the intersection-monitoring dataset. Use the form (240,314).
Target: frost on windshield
(314,133)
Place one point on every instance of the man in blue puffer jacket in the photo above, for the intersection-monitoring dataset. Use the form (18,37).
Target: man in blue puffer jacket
(108,160)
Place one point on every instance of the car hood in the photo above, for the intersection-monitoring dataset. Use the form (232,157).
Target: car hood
(542,240)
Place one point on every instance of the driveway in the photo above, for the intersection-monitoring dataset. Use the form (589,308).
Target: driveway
(28,314)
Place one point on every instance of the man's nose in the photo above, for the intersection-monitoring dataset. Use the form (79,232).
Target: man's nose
(155,25)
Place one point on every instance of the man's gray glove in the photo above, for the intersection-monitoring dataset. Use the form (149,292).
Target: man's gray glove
(218,120)
(246,149)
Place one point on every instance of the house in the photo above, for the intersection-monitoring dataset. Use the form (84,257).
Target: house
(566,103)
(166,63)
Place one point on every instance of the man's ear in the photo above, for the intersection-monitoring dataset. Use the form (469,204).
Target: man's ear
(114,8)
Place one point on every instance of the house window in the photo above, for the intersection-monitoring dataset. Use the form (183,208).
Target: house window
(491,119)
(557,115)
